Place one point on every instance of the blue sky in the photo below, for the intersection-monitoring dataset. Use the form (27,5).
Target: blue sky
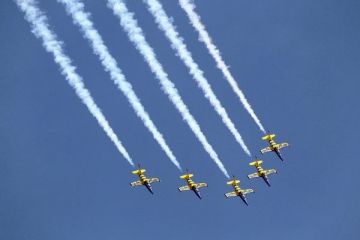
(298,63)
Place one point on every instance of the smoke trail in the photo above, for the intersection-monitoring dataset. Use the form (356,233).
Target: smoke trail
(136,35)
(165,24)
(81,18)
(40,29)
(189,8)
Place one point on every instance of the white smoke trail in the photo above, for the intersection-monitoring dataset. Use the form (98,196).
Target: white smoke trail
(177,43)
(189,8)
(137,36)
(81,18)
(40,29)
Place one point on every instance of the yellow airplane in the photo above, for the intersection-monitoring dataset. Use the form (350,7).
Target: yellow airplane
(191,185)
(274,147)
(238,192)
(260,172)
(143,179)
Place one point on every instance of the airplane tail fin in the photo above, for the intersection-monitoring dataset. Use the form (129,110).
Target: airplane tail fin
(268,136)
(234,181)
(138,171)
(258,162)
(186,176)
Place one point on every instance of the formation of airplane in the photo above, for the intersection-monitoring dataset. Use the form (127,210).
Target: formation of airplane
(191,185)
(273,146)
(237,190)
(143,179)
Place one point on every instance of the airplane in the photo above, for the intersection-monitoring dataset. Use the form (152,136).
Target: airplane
(191,185)
(143,179)
(237,190)
(274,147)
(260,172)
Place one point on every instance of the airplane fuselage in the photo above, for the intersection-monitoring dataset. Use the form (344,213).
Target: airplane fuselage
(144,181)
(193,187)
(261,173)
(237,189)
(274,147)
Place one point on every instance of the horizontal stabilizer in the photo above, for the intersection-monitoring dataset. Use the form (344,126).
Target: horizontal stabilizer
(269,136)
(188,175)
(231,182)
(138,171)
(256,163)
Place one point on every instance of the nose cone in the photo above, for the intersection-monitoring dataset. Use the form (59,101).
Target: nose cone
(148,186)
(277,151)
(266,180)
(244,199)
(197,192)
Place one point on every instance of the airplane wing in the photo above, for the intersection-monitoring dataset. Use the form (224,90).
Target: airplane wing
(246,191)
(253,175)
(151,180)
(281,145)
(199,185)
(230,194)
(267,149)
(184,188)
(137,183)
(270,171)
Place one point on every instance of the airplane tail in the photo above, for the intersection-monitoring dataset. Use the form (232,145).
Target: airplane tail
(268,136)
(138,171)
(186,176)
(254,163)
(232,182)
